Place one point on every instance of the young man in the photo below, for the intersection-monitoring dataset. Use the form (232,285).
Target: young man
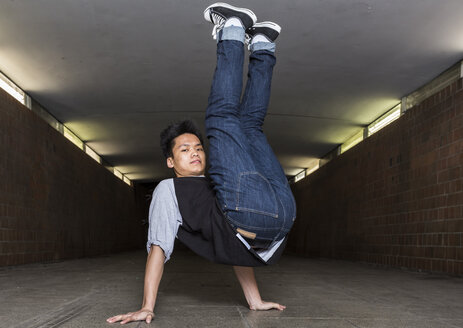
(242,215)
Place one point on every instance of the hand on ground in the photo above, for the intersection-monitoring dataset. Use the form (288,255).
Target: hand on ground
(140,315)
(263,306)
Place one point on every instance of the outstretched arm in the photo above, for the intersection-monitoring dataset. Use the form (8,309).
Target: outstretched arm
(248,283)
(153,275)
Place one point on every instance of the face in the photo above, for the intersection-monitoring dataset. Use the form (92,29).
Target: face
(188,157)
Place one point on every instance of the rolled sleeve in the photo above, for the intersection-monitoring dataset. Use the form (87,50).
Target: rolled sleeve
(164,218)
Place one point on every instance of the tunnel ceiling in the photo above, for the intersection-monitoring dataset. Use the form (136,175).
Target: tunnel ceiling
(117,71)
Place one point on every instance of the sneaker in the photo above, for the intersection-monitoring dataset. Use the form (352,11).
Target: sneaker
(219,12)
(269,30)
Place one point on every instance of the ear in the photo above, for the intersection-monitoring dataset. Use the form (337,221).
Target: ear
(170,162)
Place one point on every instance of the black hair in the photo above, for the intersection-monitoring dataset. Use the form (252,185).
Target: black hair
(174,130)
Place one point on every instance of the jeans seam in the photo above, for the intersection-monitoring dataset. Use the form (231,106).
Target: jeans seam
(275,216)
(239,224)
(270,187)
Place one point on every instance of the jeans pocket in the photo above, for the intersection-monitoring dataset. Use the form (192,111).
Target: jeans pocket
(255,194)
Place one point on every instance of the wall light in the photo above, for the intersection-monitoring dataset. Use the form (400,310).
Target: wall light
(304,173)
(384,120)
(352,141)
(73,138)
(127,180)
(7,85)
(118,174)
(312,169)
(299,176)
(90,152)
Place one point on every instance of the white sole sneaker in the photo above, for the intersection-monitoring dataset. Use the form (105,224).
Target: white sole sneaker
(247,17)
(271,25)
(270,30)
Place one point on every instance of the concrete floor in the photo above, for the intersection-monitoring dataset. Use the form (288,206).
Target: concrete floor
(195,293)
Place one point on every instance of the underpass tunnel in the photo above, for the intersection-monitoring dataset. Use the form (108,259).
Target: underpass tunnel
(377,240)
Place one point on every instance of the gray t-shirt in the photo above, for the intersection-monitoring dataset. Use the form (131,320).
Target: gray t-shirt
(165,218)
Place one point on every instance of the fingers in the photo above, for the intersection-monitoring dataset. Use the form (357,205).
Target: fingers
(119,317)
(268,306)
(277,306)
(129,319)
(116,318)
(132,316)
(271,305)
(280,307)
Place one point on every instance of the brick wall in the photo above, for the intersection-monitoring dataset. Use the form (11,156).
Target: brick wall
(396,198)
(55,201)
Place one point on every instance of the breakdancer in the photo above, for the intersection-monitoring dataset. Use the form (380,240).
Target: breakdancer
(242,212)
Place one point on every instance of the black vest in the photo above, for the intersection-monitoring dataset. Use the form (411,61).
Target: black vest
(206,231)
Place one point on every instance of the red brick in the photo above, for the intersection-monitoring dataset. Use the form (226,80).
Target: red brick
(450,253)
(455,225)
(459,109)
(458,267)
(398,205)
(456,240)
(459,254)
(97,202)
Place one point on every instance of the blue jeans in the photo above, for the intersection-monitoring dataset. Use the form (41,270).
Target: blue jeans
(249,182)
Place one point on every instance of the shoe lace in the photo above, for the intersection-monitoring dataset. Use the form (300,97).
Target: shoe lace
(219,22)
(247,40)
